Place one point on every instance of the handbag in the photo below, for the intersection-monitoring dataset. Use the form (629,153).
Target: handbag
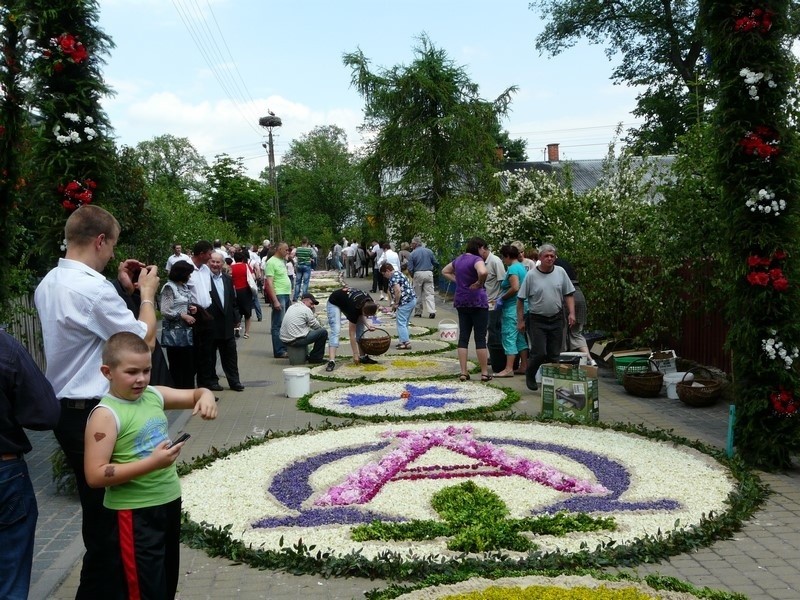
(175,335)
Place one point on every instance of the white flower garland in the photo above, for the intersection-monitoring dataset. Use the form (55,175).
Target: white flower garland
(392,368)
(236,490)
(764,201)
(752,79)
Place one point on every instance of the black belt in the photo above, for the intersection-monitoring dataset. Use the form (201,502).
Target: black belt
(79,403)
(11,456)
(551,319)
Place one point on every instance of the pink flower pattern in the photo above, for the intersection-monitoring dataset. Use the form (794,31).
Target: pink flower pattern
(364,484)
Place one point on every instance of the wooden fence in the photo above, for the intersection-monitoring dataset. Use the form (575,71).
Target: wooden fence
(26,328)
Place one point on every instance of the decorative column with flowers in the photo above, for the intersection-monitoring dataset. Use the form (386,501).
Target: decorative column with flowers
(758,168)
(73,154)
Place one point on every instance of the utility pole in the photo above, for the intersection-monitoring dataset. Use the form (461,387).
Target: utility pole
(268,123)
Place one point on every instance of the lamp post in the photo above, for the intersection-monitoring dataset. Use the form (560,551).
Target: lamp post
(269,122)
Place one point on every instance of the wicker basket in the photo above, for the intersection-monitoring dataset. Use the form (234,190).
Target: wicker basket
(645,384)
(621,366)
(701,395)
(375,342)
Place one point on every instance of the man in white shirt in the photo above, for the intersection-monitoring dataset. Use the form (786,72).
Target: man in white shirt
(200,289)
(391,257)
(300,327)
(79,310)
(177,254)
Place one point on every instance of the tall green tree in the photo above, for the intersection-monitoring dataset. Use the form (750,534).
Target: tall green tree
(172,162)
(234,197)
(320,186)
(433,133)
(661,49)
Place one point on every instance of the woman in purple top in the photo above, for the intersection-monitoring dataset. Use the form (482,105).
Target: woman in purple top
(468,272)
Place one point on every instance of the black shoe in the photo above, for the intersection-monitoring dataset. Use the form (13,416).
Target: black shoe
(215,387)
(532,385)
(432,316)
(237,388)
(369,361)
(331,366)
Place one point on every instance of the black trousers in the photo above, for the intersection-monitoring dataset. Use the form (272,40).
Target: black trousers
(205,357)
(98,578)
(181,367)
(229,358)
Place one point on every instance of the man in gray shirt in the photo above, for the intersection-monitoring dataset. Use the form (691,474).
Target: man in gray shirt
(547,289)
(421,264)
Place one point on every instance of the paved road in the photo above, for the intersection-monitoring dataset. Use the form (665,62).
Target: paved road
(761,561)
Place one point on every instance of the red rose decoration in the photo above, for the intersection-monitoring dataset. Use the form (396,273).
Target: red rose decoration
(779,255)
(783,402)
(758,278)
(781,284)
(76,193)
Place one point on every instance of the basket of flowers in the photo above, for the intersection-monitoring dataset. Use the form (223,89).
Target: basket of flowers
(700,391)
(375,341)
(645,384)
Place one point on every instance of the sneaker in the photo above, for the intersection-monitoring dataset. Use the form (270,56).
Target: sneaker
(368,360)
(331,366)
(431,316)
(383,297)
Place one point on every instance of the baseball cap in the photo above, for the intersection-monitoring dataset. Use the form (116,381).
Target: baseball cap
(310,297)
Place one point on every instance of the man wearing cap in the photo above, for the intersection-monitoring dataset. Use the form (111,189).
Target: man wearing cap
(300,327)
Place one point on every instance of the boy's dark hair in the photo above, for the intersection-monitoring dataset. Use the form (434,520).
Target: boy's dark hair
(89,221)
(201,247)
(118,343)
(386,267)
(369,308)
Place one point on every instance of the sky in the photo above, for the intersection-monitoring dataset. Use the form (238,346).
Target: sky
(207,70)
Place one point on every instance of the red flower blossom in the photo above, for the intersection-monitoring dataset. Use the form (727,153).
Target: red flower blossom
(753,261)
(76,193)
(783,402)
(758,278)
(779,255)
(780,284)
(776,273)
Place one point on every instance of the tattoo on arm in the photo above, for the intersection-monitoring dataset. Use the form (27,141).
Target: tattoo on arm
(99,436)
(109,471)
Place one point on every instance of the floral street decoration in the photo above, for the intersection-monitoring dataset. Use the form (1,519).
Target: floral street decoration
(762,142)
(775,349)
(758,20)
(784,402)
(76,193)
(314,493)
(764,201)
(66,47)
(408,399)
(766,271)
(753,79)
(393,368)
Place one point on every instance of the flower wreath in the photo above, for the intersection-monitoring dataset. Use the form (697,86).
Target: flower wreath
(68,46)
(758,19)
(762,142)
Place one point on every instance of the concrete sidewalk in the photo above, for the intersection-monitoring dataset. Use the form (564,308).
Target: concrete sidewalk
(760,562)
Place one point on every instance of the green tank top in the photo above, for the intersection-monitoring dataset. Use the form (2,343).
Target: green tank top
(141,426)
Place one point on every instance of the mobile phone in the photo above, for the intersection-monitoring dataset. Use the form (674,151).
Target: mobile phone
(182,438)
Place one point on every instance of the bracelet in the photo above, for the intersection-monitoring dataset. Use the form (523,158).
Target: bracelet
(147,302)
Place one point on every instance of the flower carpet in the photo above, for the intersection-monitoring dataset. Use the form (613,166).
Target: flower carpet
(408,399)
(418,346)
(315,492)
(393,368)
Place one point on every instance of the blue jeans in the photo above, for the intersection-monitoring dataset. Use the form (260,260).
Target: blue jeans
(257,307)
(278,347)
(335,325)
(18,515)
(403,317)
(318,337)
(302,278)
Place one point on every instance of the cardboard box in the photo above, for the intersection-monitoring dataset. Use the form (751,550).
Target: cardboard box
(570,392)
(665,360)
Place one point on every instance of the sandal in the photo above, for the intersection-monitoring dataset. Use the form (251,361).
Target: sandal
(485,378)
(463,377)
(404,346)
(246,336)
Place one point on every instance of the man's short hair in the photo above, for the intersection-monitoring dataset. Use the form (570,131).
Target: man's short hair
(547,248)
(416,240)
(89,221)
(122,342)
(201,247)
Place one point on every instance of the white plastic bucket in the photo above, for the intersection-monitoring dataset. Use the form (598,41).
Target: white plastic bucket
(448,330)
(672,379)
(297,381)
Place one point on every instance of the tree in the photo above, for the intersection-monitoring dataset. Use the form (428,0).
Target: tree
(320,185)
(234,197)
(661,48)
(172,162)
(433,133)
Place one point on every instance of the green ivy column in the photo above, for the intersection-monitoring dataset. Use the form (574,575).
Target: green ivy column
(757,168)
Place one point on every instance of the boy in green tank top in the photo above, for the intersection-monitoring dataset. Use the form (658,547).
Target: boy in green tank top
(128,452)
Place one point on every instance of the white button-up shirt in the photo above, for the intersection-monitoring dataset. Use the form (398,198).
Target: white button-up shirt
(200,286)
(79,310)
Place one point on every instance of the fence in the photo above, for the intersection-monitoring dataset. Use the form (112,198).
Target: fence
(26,328)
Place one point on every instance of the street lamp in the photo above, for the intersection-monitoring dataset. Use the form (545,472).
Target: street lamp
(269,122)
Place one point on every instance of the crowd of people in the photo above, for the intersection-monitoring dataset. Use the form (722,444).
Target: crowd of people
(112,371)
